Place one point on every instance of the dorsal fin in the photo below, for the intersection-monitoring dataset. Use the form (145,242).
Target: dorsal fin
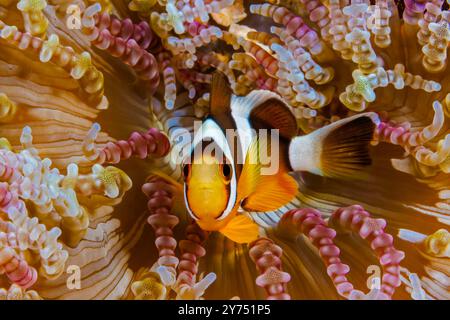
(220,96)
(273,113)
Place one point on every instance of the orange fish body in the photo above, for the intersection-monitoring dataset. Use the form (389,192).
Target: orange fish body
(224,172)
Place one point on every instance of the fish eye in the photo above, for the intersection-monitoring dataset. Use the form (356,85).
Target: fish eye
(186,170)
(226,171)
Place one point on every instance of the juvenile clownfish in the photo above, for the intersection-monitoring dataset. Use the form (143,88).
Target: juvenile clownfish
(217,184)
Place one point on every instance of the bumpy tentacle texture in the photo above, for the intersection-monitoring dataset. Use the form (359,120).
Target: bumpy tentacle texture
(188,286)
(170,83)
(379,25)
(409,140)
(189,45)
(219,62)
(328,60)
(165,277)
(267,257)
(194,28)
(435,250)
(40,204)
(359,38)
(253,75)
(432,12)
(312,70)
(36,22)
(16,292)
(362,91)
(319,14)
(126,29)
(435,49)
(16,269)
(356,219)
(79,66)
(414,11)
(179,12)
(160,195)
(126,48)
(290,69)
(438,244)
(338,29)
(142,145)
(294,25)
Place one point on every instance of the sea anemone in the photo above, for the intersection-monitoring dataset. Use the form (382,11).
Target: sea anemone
(98,100)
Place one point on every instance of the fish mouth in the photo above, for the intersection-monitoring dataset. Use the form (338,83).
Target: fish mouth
(205,188)
(207,191)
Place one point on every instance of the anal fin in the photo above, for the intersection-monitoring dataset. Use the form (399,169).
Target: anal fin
(272,192)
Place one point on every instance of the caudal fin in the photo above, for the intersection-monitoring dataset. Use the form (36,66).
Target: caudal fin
(339,150)
(346,150)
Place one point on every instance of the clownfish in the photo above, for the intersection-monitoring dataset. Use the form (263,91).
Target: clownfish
(224,173)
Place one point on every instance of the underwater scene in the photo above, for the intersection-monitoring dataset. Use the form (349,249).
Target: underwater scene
(224,149)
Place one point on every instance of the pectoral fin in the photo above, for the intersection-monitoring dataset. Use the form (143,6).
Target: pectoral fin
(241,229)
(260,191)
(272,193)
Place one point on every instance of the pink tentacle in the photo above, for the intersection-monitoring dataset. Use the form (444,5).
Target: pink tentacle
(414,10)
(129,51)
(7,227)
(356,219)
(310,222)
(8,173)
(268,62)
(187,83)
(266,256)
(191,251)
(16,268)
(267,83)
(296,26)
(164,60)
(194,28)
(196,76)
(160,195)
(317,11)
(393,134)
(401,134)
(263,81)
(6,197)
(142,145)
(126,29)
(8,234)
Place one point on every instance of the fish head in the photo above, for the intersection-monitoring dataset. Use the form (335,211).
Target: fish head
(209,188)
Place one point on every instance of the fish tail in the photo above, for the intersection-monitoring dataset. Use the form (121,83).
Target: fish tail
(339,150)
